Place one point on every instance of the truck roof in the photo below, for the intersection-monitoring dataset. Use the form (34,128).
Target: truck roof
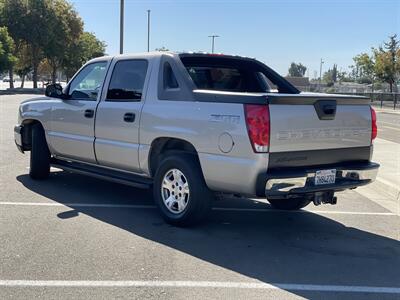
(153,54)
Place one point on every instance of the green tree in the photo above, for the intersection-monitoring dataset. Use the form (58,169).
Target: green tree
(387,61)
(344,77)
(82,50)
(13,26)
(162,49)
(23,65)
(48,29)
(7,58)
(297,70)
(364,68)
(29,21)
(334,73)
(327,77)
(69,28)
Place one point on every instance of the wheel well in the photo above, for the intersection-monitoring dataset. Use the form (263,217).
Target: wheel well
(162,145)
(27,132)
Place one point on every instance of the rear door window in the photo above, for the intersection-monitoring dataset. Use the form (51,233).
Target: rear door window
(127,81)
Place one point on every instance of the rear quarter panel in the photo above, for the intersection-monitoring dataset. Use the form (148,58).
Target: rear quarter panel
(202,124)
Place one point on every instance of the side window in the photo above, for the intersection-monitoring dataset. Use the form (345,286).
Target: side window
(86,85)
(170,81)
(127,81)
(266,84)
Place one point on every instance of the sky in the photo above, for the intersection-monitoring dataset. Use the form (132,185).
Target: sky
(275,32)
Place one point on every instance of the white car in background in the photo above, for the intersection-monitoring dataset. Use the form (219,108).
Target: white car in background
(7,79)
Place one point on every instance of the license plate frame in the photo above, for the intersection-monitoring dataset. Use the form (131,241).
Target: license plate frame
(324,177)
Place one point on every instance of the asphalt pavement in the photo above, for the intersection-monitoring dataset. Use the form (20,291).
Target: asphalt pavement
(389,125)
(75,237)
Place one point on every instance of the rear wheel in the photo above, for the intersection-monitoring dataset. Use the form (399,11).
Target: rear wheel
(289,204)
(180,191)
(40,154)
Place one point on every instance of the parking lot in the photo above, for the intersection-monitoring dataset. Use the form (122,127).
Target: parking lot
(78,237)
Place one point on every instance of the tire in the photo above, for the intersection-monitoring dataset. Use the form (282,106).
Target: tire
(189,205)
(40,155)
(289,204)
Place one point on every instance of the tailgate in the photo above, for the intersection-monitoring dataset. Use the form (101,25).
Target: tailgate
(305,122)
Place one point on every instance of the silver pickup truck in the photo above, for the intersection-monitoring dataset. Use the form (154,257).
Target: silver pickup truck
(195,125)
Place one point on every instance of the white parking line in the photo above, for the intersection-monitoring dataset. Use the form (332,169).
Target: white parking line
(307,211)
(111,205)
(134,206)
(202,284)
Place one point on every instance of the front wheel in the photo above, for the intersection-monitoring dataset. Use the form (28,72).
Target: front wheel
(180,191)
(289,204)
(40,154)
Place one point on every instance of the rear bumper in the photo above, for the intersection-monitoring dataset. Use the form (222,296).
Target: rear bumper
(289,182)
(18,137)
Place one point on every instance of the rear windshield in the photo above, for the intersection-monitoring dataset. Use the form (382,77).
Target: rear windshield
(232,75)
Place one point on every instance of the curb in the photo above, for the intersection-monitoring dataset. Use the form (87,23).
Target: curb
(22,91)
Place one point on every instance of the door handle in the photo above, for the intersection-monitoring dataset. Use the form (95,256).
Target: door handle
(129,117)
(89,113)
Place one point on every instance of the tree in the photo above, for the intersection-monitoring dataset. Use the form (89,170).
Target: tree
(82,50)
(334,73)
(162,49)
(363,69)
(7,58)
(48,29)
(13,27)
(344,77)
(297,70)
(45,70)
(69,28)
(29,21)
(328,77)
(387,63)
(23,65)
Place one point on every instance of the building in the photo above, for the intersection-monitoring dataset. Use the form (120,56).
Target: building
(302,83)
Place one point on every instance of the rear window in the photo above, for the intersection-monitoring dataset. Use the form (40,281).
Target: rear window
(217,78)
(233,75)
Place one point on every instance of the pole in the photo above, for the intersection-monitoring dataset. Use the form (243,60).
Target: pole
(213,41)
(121,28)
(320,74)
(148,30)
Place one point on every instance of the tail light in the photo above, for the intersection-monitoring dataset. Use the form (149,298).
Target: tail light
(258,126)
(374,127)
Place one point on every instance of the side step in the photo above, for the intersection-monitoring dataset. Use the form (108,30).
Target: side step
(103,173)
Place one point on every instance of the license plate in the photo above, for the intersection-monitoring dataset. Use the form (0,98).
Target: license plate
(325,177)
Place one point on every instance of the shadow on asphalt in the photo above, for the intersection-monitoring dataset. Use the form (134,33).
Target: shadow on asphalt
(277,247)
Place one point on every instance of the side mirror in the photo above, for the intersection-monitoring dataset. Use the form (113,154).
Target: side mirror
(54,90)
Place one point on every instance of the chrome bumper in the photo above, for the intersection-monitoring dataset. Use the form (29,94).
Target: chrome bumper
(345,178)
(18,137)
